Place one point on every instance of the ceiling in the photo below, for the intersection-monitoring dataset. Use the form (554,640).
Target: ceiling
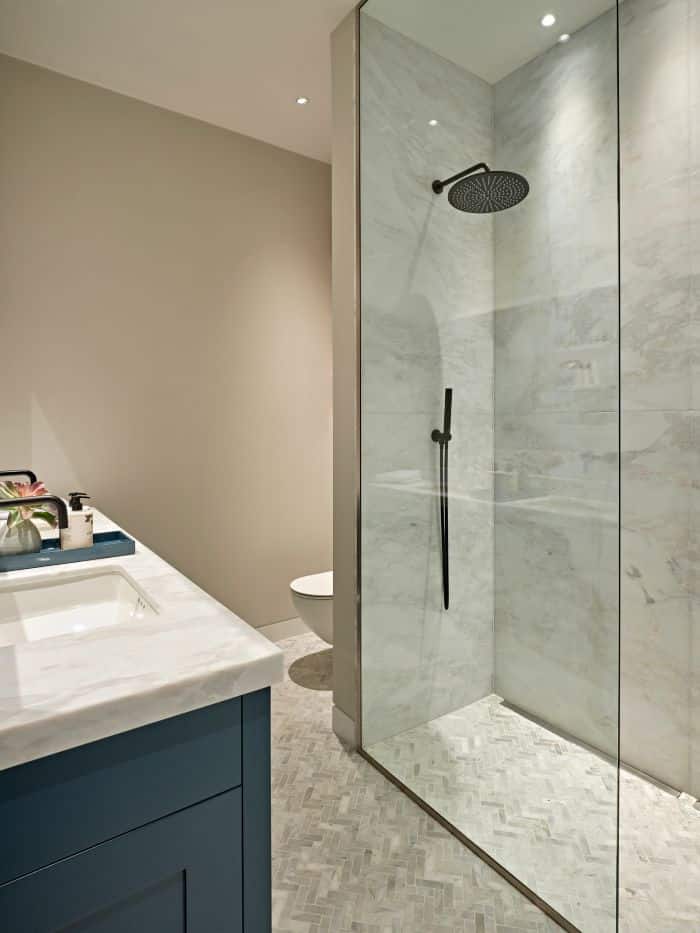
(490,38)
(241,64)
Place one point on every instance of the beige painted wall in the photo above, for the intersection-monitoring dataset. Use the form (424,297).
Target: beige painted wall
(165,314)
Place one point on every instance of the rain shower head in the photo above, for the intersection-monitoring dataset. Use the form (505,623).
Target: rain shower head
(486,192)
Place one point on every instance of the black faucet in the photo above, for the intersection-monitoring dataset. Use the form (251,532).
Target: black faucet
(61,506)
(30,474)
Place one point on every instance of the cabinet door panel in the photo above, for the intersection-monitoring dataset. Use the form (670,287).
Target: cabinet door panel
(180,873)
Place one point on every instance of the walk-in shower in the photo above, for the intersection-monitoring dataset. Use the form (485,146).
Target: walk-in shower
(530,620)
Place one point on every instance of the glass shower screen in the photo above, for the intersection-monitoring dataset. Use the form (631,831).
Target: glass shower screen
(490,431)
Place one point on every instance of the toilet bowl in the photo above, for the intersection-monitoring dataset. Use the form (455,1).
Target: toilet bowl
(313,600)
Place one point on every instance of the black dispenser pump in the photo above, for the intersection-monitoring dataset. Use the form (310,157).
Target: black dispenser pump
(75,500)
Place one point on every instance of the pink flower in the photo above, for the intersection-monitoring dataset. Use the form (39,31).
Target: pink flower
(21,490)
(10,490)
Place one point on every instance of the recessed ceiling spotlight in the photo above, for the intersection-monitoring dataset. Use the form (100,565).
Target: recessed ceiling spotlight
(302,101)
(564,37)
(432,122)
(549,19)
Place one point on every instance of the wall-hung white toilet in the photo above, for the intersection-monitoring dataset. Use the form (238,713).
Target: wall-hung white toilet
(313,600)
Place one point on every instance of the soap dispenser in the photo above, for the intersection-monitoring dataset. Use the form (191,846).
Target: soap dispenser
(79,530)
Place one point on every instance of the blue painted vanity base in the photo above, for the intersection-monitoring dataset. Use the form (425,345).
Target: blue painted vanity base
(162,829)
(105,544)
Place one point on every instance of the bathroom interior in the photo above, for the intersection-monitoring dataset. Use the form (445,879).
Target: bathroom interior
(349,576)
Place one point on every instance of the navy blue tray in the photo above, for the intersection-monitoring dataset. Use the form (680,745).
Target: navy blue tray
(105,544)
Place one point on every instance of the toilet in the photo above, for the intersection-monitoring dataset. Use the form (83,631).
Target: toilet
(313,600)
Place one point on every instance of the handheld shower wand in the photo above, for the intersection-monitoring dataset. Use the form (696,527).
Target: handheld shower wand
(443,438)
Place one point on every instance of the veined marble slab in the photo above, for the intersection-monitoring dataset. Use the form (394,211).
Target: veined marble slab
(427,323)
(63,692)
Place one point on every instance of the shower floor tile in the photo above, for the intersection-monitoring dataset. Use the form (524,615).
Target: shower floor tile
(545,807)
(352,853)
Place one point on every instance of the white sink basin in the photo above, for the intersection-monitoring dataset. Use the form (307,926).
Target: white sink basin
(71,603)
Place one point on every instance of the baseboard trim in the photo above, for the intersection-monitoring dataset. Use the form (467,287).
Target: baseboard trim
(278,631)
(344,728)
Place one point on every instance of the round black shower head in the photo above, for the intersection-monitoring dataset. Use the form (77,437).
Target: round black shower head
(488,192)
(478,190)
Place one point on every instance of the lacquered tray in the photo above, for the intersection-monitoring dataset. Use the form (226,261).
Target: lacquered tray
(105,544)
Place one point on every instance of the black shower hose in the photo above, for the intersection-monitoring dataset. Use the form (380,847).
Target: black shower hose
(443,438)
(444,524)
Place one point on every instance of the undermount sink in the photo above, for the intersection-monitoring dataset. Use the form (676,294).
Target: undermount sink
(47,606)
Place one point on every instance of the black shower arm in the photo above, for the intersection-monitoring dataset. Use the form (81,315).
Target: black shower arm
(439,186)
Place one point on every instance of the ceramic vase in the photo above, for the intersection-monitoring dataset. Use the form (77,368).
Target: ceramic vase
(24,538)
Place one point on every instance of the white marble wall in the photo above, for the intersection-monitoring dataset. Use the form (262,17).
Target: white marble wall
(556,361)
(660,123)
(427,302)
(431,280)
(556,424)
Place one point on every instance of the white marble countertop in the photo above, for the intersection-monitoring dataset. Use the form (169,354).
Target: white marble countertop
(62,692)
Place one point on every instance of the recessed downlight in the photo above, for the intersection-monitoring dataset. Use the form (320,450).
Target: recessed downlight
(302,101)
(549,19)
(432,122)
(564,37)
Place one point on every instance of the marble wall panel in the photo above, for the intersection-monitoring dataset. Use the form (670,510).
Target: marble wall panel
(660,47)
(570,315)
(556,390)
(427,323)
(656,617)
(554,622)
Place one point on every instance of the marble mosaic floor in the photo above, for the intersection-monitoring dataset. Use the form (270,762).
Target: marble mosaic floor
(546,808)
(351,853)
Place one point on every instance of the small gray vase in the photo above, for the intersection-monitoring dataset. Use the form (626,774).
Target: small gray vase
(24,538)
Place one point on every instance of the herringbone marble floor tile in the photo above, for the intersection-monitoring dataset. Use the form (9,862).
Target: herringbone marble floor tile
(659,860)
(546,808)
(351,853)
(543,807)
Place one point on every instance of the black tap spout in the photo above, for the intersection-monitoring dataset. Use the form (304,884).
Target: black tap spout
(60,505)
(30,474)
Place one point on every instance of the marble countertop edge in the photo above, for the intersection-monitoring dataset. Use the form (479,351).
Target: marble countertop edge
(30,740)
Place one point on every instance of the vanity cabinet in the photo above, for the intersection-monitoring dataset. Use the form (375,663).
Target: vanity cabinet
(162,829)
